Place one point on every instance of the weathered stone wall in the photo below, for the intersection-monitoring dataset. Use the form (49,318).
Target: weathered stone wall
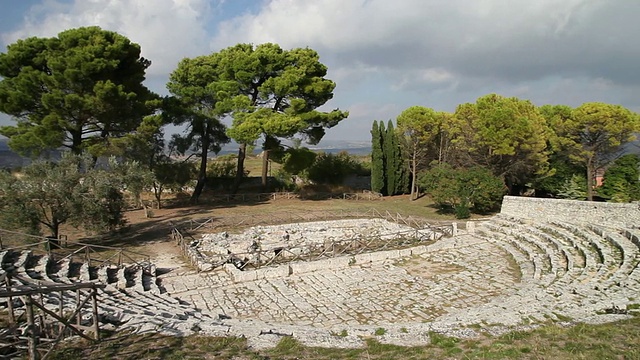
(573,211)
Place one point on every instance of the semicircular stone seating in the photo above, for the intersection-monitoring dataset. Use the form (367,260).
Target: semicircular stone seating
(130,297)
(568,270)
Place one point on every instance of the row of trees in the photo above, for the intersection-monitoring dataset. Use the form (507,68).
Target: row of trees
(84,90)
(524,146)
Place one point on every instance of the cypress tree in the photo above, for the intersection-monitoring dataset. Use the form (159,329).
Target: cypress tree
(404,176)
(377,158)
(395,169)
(391,159)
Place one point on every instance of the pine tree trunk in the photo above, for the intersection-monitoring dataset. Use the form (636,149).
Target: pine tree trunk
(265,169)
(157,191)
(202,175)
(242,153)
(55,229)
(590,173)
(414,186)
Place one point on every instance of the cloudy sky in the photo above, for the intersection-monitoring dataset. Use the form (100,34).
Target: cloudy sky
(384,55)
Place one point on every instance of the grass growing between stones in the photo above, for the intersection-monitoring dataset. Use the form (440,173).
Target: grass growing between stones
(608,341)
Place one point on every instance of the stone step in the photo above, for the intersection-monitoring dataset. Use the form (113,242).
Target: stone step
(534,257)
(60,271)
(22,260)
(522,260)
(585,257)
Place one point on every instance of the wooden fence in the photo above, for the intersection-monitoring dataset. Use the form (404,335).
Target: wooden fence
(38,329)
(261,197)
(61,249)
(423,231)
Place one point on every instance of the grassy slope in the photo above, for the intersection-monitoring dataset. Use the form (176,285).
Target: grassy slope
(609,341)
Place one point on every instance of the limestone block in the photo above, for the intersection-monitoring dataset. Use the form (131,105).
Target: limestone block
(277,272)
(405,252)
(340,262)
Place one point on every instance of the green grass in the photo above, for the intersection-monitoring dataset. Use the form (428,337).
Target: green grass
(607,341)
(380,331)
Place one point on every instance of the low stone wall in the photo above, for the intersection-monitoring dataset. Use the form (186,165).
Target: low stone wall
(337,263)
(573,211)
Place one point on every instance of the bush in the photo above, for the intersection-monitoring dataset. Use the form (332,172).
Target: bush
(334,168)
(222,169)
(462,211)
(574,188)
(621,180)
(463,190)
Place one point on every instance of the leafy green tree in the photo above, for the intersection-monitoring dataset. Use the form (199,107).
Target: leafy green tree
(506,135)
(71,191)
(593,135)
(562,172)
(332,168)
(146,147)
(135,178)
(79,90)
(378,178)
(424,138)
(203,99)
(574,188)
(462,190)
(298,160)
(561,166)
(440,182)
(280,91)
(173,175)
(621,180)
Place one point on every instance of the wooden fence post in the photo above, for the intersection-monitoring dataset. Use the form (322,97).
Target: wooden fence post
(96,325)
(79,316)
(12,318)
(61,311)
(31,328)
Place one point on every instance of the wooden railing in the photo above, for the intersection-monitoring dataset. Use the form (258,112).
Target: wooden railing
(260,197)
(37,329)
(61,249)
(423,230)
(239,221)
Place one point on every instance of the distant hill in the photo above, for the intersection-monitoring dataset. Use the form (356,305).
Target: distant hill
(328,146)
(9,159)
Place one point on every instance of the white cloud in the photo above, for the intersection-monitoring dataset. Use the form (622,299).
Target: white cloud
(372,110)
(388,55)
(167,30)
(519,39)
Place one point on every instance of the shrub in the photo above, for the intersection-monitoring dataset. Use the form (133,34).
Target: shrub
(222,169)
(462,189)
(574,188)
(334,168)
(621,180)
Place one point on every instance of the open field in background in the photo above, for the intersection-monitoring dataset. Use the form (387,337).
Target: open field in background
(253,164)
(150,235)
